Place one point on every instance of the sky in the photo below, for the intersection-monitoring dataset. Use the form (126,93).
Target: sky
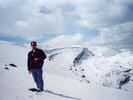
(106,23)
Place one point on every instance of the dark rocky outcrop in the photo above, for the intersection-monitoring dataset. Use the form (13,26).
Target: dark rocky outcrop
(85,53)
(12,65)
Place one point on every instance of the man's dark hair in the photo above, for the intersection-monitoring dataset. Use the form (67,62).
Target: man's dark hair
(33,42)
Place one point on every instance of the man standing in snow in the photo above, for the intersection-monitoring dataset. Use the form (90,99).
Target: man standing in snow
(35,62)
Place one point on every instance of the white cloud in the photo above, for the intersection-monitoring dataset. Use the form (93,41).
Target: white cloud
(5,3)
(33,19)
(64,41)
(29,23)
(104,13)
(41,24)
(117,37)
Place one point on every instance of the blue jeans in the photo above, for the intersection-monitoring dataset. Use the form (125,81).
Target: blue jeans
(37,76)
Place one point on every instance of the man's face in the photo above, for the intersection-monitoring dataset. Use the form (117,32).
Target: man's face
(33,46)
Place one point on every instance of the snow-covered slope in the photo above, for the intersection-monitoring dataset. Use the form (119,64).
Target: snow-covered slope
(103,51)
(13,53)
(68,81)
(16,81)
(106,72)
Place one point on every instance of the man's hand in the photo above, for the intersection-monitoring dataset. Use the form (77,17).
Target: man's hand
(29,71)
(36,59)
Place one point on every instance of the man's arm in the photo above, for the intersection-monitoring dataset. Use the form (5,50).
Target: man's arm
(28,64)
(28,61)
(43,55)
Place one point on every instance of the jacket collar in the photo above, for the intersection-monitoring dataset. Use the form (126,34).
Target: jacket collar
(34,50)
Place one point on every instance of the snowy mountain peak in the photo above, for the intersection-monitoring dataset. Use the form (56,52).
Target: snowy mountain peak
(83,55)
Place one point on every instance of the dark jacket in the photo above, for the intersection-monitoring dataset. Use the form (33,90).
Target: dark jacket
(32,64)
